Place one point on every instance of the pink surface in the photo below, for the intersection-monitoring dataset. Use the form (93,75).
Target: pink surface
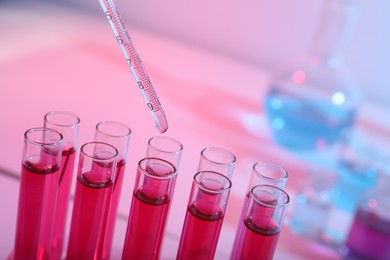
(57,59)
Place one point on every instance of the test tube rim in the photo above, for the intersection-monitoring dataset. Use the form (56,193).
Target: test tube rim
(232,162)
(177,151)
(273,165)
(165,177)
(43,129)
(225,189)
(126,133)
(114,155)
(278,205)
(71,115)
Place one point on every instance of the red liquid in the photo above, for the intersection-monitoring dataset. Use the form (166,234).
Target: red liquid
(369,237)
(89,216)
(201,229)
(37,199)
(260,237)
(120,169)
(65,181)
(149,211)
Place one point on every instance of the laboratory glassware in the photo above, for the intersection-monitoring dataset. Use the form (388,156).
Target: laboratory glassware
(94,187)
(166,148)
(133,60)
(263,222)
(149,210)
(356,167)
(313,203)
(118,135)
(313,101)
(40,171)
(263,173)
(204,216)
(217,159)
(68,125)
(369,235)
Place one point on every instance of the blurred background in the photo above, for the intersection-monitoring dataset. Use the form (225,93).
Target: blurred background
(265,33)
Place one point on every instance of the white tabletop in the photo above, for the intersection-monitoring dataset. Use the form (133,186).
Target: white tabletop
(56,58)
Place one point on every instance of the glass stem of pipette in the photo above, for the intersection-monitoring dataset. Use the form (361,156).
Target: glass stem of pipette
(135,64)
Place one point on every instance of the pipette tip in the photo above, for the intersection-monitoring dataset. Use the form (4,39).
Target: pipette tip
(161,120)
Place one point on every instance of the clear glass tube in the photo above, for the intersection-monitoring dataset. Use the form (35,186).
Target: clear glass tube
(314,205)
(68,125)
(218,160)
(94,186)
(204,217)
(166,148)
(263,173)
(117,135)
(268,173)
(153,191)
(357,168)
(263,222)
(38,193)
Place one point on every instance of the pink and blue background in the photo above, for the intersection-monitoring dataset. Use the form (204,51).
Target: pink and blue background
(209,62)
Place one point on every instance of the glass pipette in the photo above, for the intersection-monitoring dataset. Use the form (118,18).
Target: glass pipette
(135,64)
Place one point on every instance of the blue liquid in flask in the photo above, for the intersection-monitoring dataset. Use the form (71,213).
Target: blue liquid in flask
(354,179)
(299,121)
(312,102)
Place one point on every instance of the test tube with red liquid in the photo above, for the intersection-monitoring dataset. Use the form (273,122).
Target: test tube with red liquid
(38,193)
(68,125)
(94,187)
(263,221)
(204,217)
(152,195)
(118,135)
(263,173)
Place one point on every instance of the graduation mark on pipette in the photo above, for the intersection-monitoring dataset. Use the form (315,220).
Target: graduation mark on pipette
(135,64)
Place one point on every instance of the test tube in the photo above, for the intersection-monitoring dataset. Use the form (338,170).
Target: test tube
(38,193)
(117,135)
(263,223)
(96,169)
(68,125)
(166,148)
(204,217)
(149,209)
(218,160)
(263,173)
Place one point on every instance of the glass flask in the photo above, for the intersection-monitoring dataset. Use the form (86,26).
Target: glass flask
(369,235)
(311,102)
(314,203)
(357,167)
